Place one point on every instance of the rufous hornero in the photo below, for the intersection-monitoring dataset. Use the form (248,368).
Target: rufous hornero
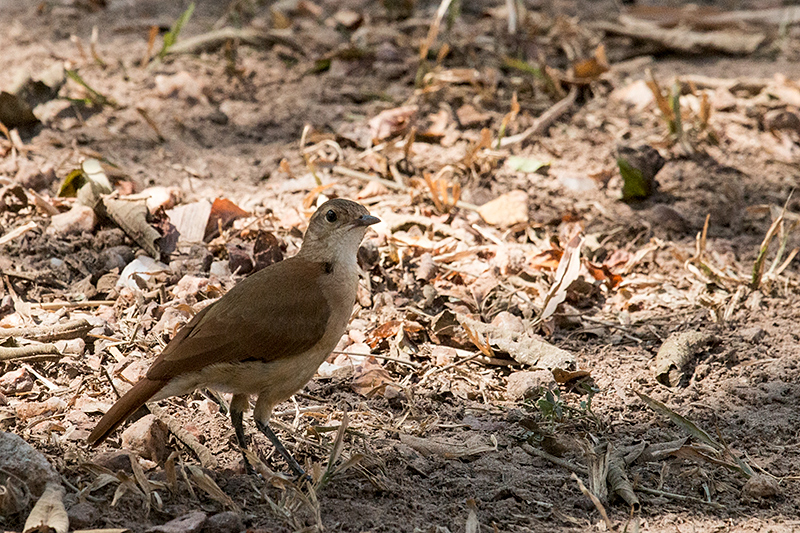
(268,335)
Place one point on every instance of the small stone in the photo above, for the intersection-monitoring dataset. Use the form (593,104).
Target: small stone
(82,515)
(225,522)
(781,119)
(160,197)
(753,335)
(116,461)
(147,437)
(508,322)
(77,220)
(188,523)
(506,210)
(528,384)
(52,405)
(761,486)
(469,116)
(220,269)
(16,381)
(427,267)
(348,18)
(117,257)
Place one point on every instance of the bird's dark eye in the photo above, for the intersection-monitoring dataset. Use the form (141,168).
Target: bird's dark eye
(330,216)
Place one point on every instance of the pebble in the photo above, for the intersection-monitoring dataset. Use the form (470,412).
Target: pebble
(225,522)
(77,220)
(188,523)
(527,384)
(147,437)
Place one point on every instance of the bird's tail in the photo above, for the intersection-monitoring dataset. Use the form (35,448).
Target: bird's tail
(125,407)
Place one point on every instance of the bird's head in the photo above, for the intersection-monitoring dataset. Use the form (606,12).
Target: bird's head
(335,231)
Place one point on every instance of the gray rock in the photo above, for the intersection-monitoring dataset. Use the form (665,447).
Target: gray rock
(82,515)
(226,522)
(20,459)
(753,335)
(188,523)
(761,486)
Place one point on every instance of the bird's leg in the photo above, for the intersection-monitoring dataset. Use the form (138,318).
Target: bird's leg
(261,414)
(297,470)
(239,404)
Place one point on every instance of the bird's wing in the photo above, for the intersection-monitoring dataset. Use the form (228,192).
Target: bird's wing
(275,313)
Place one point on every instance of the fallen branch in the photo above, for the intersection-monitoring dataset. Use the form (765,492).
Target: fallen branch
(31,352)
(67,330)
(577,469)
(681,39)
(679,497)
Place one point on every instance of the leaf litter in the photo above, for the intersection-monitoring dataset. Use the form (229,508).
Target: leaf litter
(485,272)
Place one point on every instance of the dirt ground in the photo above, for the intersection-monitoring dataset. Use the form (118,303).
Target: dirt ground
(434,442)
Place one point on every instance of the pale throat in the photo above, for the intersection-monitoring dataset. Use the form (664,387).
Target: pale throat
(342,250)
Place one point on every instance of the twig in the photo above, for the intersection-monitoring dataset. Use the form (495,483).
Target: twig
(215,39)
(595,500)
(682,40)
(622,329)
(578,469)
(544,121)
(299,410)
(72,305)
(32,350)
(384,357)
(680,497)
(68,330)
(207,459)
(17,232)
(47,383)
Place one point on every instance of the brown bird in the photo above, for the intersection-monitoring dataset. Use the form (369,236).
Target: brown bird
(268,335)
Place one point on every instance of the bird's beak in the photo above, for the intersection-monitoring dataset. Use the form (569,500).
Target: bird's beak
(366,220)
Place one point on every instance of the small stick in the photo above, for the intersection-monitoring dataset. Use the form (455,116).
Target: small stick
(544,121)
(679,497)
(32,350)
(577,469)
(595,500)
(67,330)
(207,459)
(72,305)
(376,356)
(47,383)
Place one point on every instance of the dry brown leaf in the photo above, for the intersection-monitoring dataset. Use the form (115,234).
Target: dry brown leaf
(223,213)
(524,348)
(392,122)
(590,69)
(191,220)
(210,487)
(567,272)
(566,376)
(506,210)
(369,377)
